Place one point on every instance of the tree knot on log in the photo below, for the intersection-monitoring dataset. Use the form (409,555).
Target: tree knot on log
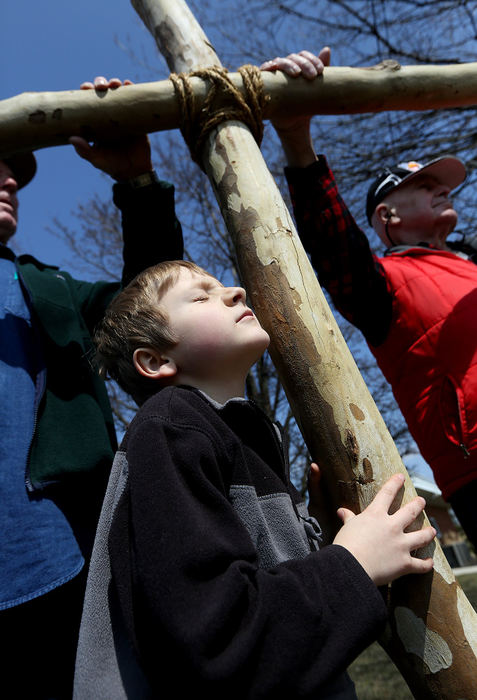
(223,102)
(352,447)
(388,64)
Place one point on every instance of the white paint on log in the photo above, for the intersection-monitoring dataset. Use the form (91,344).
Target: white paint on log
(422,641)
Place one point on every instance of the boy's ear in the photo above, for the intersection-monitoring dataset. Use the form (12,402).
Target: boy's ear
(153,364)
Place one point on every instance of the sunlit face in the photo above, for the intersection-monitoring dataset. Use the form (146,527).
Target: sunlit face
(8,203)
(425,210)
(217,332)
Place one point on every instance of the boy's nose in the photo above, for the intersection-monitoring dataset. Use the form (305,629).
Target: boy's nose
(233,295)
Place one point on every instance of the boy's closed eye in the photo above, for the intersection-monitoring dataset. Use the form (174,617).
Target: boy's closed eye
(205,290)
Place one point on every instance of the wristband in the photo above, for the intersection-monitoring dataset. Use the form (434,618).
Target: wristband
(143,180)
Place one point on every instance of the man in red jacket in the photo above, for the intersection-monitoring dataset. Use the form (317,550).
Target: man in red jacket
(415,305)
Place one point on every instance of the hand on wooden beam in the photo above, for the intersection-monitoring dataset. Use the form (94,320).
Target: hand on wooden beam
(303,63)
(294,131)
(122,159)
(382,542)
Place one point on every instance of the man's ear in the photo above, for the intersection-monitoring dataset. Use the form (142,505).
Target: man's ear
(386,214)
(153,364)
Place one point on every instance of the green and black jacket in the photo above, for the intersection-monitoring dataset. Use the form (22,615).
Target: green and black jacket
(74,431)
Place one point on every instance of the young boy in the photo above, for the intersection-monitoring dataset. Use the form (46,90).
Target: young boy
(207,568)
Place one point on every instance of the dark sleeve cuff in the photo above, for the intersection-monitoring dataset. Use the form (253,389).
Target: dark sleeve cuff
(357,588)
(151,231)
(125,196)
(301,176)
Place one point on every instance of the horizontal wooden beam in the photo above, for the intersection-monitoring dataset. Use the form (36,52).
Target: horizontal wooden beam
(34,120)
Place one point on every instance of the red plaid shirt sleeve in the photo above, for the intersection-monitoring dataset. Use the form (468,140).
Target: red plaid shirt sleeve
(339,251)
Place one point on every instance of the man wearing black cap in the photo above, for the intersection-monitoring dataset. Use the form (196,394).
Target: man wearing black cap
(410,187)
(416,305)
(57,437)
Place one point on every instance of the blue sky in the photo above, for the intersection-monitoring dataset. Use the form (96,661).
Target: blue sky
(57,45)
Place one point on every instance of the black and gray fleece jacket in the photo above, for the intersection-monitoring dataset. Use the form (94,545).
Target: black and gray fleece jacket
(203,569)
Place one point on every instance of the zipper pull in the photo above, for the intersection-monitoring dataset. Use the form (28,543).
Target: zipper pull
(464,450)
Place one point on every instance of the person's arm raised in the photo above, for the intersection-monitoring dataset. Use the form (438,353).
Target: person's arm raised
(123,159)
(294,131)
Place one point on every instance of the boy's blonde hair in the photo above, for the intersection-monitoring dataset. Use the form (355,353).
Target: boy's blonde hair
(135,319)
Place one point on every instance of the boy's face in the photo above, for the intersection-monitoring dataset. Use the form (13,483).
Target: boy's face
(216,331)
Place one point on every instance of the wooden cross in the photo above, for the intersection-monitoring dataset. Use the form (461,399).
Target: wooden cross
(432,630)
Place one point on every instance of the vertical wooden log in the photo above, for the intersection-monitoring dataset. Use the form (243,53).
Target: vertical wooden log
(432,633)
